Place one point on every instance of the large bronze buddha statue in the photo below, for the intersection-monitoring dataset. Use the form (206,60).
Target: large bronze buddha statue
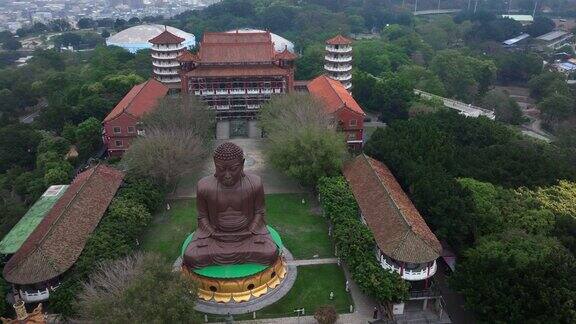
(231,227)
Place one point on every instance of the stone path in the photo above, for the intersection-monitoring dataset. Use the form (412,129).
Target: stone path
(312,262)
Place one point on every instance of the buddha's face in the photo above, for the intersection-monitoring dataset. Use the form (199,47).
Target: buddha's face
(229,172)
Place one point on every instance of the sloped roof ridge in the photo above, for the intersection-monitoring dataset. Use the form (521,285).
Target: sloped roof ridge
(328,79)
(52,225)
(410,229)
(381,183)
(129,105)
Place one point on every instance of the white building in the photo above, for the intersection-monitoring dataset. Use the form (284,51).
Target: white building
(338,60)
(136,38)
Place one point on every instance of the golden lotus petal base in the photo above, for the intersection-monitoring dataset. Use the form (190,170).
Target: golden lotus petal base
(239,289)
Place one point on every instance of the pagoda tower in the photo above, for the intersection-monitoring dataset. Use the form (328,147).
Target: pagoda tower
(338,60)
(166,48)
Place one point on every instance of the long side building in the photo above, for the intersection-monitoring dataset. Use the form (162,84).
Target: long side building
(235,73)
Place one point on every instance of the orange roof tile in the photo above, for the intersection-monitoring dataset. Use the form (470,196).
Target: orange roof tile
(339,40)
(188,57)
(236,48)
(333,94)
(399,230)
(286,55)
(166,37)
(139,100)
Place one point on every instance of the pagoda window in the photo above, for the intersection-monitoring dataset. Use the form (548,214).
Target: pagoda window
(130,129)
(117,130)
(353,122)
(119,143)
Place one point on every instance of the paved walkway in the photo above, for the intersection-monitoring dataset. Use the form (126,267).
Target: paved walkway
(312,262)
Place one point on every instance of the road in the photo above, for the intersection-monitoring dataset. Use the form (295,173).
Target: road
(463,108)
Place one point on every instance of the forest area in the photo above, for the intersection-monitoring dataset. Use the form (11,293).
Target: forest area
(482,187)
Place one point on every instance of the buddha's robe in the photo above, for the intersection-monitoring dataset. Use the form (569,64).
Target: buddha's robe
(231,227)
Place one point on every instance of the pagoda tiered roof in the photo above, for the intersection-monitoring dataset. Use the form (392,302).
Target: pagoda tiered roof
(188,57)
(286,55)
(166,37)
(339,40)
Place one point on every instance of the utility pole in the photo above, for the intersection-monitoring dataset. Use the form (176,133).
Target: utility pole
(469,4)
(438,5)
(535,6)
(509,5)
(475,5)
(415,5)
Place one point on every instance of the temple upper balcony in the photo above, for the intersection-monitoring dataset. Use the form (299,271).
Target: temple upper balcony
(408,271)
(339,48)
(338,59)
(337,68)
(168,47)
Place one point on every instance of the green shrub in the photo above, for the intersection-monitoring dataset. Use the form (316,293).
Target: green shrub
(355,242)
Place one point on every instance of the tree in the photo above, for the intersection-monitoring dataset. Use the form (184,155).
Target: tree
(178,135)
(464,77)
(505,108)
(59,25)
(56,176)
(136,289)
(301,138)
(105,33)
(11,44)
(518,66)
(18,143)
(556,108)
(548,83)
(84,23)
(311,63)
(422,79)
(89,136)
(394,94)
(507,278)
(540,26)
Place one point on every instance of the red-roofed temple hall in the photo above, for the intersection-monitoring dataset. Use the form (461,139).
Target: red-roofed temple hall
(235,73)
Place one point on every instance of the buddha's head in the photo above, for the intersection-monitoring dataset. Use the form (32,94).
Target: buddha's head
(229,162)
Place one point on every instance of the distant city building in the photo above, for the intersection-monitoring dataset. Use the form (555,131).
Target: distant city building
(235,73)
(338,102)
(166,48)
(403,241)
(338,60)
(37,267)
(136,38)
(121,124)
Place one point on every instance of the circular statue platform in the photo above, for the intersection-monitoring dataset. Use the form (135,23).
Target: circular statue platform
(241,288)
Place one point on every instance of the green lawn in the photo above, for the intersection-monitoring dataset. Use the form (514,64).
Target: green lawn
(311,290)
(303,233)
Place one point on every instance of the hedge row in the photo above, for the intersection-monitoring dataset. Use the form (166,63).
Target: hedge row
(355,243)
(116,236)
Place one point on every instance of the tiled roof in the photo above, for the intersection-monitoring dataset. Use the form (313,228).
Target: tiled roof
(139,100)
(236,48)
(339,40)
(188,57)
(59,239)
(286,55)
(399,230)
(236,71)
(166,37)
(333,94)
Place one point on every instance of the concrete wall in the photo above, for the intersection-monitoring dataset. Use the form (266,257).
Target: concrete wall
(253,130)
(223,130)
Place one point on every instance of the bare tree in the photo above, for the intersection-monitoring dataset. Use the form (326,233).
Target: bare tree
(141,288)
(178,135)
(302,138)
